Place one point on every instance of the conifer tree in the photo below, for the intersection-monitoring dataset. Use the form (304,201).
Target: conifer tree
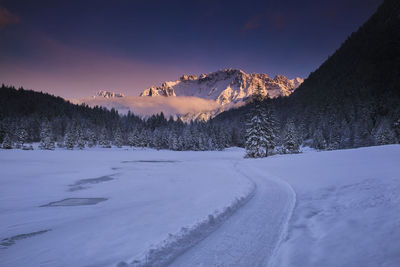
(384,135)
(202,142)
(22,136)
(131,139)
(290,139)
(80,138)
(7,144)
(347,136)
(173,143)
(318,140)
(334,136)
(156,139)
(118,140)
(255,139)
(103,139)
(270,129)
(260,134)
(91,137)
(46,141)
(143,138)
(180,143)
(69,139)
(136,138)
(396,127)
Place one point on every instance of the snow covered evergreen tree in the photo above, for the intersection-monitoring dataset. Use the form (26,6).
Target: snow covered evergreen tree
(69,139)
(80,138)
(143,140)
(271,126)
(385,135)
(157,139)
(260,134)
(318,140)
(347,135)
(173,142)
(91,137)
(396,127)
(210,143)
(222,138)
(22,137)
(290,139)
(118,140)
(334,135)
(131,139)
(103,139)
(136,137)
(7,144)
(46,141)
(201,142)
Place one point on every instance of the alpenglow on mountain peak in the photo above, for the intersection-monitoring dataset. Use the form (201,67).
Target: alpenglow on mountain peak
(225,86)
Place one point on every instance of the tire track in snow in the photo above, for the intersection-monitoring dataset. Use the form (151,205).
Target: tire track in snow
(285,226)
(179,243)
(251,236)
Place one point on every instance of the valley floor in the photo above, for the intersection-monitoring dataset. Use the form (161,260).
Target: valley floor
(105,207)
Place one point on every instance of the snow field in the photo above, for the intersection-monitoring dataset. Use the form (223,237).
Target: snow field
(333,208)
(347,210)
(158,203)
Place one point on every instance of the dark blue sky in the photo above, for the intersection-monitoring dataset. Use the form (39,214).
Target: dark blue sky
(73,48)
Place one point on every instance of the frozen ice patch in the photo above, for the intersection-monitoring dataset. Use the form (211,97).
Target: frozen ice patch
(79,185)
(9,241)
(149,161)
(76,202)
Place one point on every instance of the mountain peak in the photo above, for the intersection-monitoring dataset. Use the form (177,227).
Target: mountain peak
(185,77)
(225,86)
(107,94)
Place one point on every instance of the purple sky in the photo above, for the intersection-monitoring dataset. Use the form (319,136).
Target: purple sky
(74,48)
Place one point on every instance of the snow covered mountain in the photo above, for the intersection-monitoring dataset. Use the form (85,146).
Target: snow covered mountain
(107,94)
(196,97)
(225,86)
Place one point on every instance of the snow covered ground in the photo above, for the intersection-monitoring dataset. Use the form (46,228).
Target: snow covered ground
(347,209)
(347,213)
(335,208)
(145,195)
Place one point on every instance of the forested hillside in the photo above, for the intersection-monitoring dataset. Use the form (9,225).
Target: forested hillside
(353,98)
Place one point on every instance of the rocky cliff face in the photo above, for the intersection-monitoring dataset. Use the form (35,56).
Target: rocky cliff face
(225,86)
(107,94)
(207,95)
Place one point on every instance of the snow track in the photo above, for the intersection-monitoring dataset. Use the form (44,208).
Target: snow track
(178,243)
(251,236)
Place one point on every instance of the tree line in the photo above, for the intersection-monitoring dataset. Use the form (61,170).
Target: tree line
(27,116)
